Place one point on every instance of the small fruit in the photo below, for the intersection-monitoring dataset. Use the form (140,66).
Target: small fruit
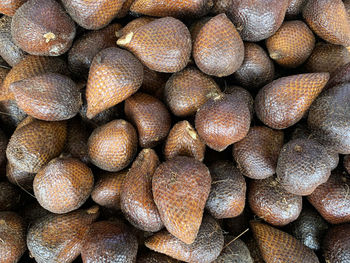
(336,244)
(235,250)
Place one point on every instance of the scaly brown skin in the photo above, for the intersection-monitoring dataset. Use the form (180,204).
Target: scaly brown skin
(235,251)
(336,244)
(9,7)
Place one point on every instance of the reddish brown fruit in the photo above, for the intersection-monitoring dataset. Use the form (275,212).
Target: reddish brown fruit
(284,101)
(181,187)
(151,118)
(21,178)
(257,153)
(329,20)
(295,8)
(115,75)
(269,200)
(9,7)
(9,196)
(123,12)
(336,244)
(341,76)
(133,25)
(154,257)
(113,146)
(235,250)
(3,145)
(108,241)
(228,191)
(347,163)
(205,248)
(278,246)
(46,245)
(35,144)
(221,6)
(254,250)
(218,48)
(34,211)
(152,44)
(154,83)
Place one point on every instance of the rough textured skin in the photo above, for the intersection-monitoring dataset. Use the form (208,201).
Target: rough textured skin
(223,120)
(329,118)
(295,8)
(257,153)
(34,211)
(115,75)
(21,178)
(136,198)
(46,246)
(154,257)
(150,116)
(162,45)
(181,188)
(336,244)
(35,144)
(253,247)
(184,140)
(9,196)
(228,191)
(303,164)
(63,185)
(12,236)
(278,246)
(243,95)
(234,252)
(133,25)
(107,189)
(113,146)
(292,44)
(257,20)
(341,76)
(309,228)
(327,58)
(85,48)
(284,101)
(93,14)
(205,248)
(154,83)
(186,91)
(257,68)
(221,6)
(125,9)
(270,201)
(108,241)
(218,48)
(48,97)
(42,27)
(3,145)
(347,163)
(9,7)
(332,199)
(329,20)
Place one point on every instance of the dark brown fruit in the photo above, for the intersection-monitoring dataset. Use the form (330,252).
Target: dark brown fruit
(206,247)
(35,144)
(108,241)
(113,146)
(347,163)
(341,76)
(115,75)
(221,6)
(228,190)
(329,20)
(253,247)
(34,211)
(295,8)
(234,251)
(284,101)
(133,25)
(181,188)
(336,244)
(162,45)
(303,164)
(257,153)
(59,238)
(151,118)
(9,7)
(154,257)
(3,145)
(332,199)
(10,196)
(154,83)
(21,178)
(270,201)
(239,224)
(243,95)
(125,9)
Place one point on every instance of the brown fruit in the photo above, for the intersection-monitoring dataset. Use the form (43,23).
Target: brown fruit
(136,197)
(218,48)
(12,236)
(154,83)
(154,257)
(228,191)
(181,188)
(341,76)
(278,246)
(93,14)
(113,146)
(283,102)
(9,7)
(234,251)
(42,27)
(303,165)
(295,8)
(336,244)
(115,75)
(35,144)
(186,91)
(108,241)
(108,188)
(3,145)
(48,97)
(257,68)
(21,178)
(332,199)
(239,224)
(254,250)
(329,20)
(162,45)
(34,211)
(59,238)
(125,9)
(206,247)
(133,25)
(9,196)
(151,118)
(270,201)
(347,163)
(221,6)
(257,153)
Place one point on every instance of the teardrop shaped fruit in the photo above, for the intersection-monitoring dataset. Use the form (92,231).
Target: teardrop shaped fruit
(235,250)
(218,48)
(133,25)
(284,101)
(124,11)
(341,76)
(9,7)
(295,8)
(154,83)
(181,188)
(42,27)
(115,75)
(21,178)
(10,196)
(163,45)
(336,244)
